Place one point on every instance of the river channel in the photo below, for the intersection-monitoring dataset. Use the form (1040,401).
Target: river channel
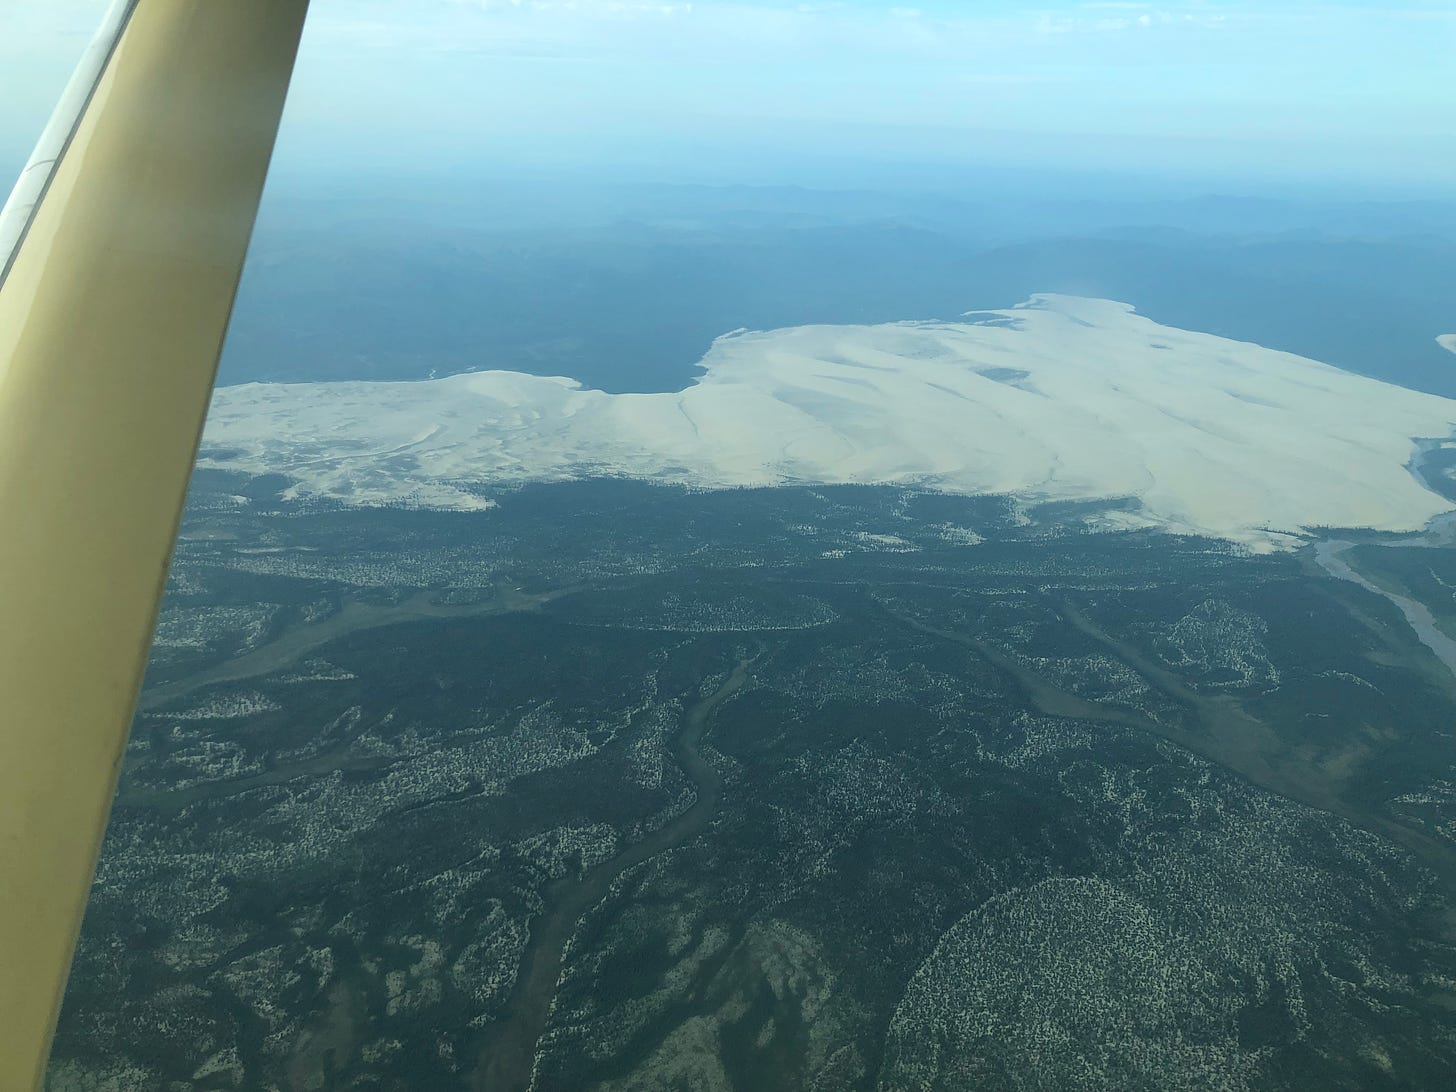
(509,1056)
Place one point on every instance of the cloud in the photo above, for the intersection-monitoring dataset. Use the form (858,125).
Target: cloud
(597,9)
(1117,17)
(559,72)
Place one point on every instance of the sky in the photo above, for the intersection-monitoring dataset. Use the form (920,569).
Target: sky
(755,90)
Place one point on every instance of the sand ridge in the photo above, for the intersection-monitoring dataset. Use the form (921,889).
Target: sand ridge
(1060,398)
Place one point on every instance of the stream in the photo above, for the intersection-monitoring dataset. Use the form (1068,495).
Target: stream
(507,1062)
(1330,556)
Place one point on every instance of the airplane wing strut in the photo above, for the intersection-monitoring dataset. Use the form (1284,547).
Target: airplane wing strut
(122,253)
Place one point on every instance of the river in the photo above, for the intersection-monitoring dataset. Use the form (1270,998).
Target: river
(1330,556)
(509,1056)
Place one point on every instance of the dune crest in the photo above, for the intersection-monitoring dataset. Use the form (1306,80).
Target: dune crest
(1060,398)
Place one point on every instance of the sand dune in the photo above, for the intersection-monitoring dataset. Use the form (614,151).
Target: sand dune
(1062,398)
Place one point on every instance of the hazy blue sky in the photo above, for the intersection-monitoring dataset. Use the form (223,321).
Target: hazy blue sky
(1273,87)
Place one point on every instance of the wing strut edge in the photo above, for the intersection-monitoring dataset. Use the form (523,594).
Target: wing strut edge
(35,178)
(112,317)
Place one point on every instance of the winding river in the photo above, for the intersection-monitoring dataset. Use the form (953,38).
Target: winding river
(1330,556)
(508,1059)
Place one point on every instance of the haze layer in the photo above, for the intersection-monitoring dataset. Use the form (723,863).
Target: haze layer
(1062,398)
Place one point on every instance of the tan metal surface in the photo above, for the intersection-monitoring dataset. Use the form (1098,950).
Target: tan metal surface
(111,322)
(35,177)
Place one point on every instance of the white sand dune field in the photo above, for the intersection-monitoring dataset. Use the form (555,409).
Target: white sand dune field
(1062,398)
